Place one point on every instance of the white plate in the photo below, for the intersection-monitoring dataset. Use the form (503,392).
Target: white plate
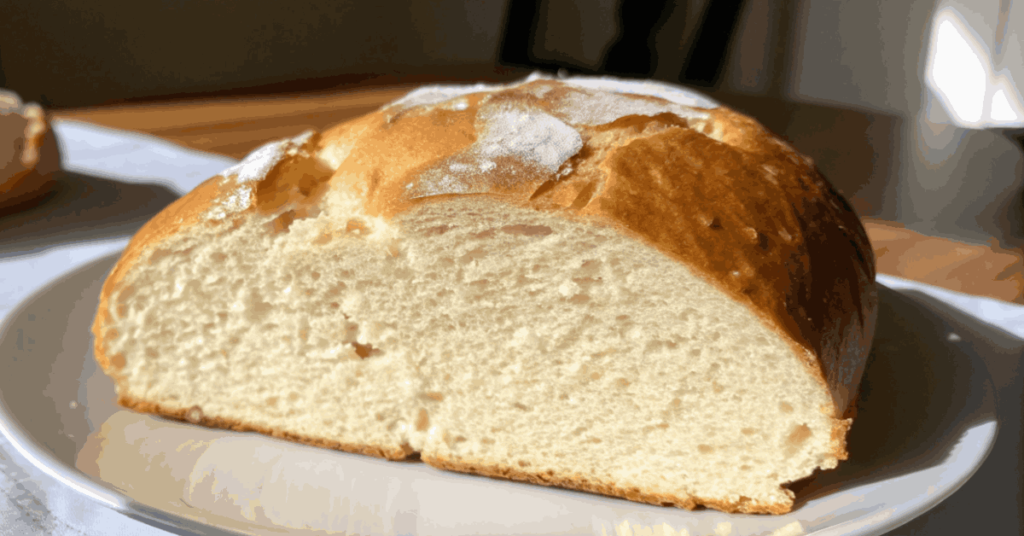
(926,423)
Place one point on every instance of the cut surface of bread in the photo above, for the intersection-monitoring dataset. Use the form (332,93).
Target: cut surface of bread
(334,291)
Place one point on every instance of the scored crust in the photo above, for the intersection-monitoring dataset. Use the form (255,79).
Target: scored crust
(775,236)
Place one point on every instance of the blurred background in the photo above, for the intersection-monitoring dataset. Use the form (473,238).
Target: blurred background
(910,108)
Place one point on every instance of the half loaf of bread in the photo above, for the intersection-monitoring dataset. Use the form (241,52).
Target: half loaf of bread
(603,285)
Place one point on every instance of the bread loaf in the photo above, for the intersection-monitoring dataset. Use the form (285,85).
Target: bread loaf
(609,286)
(28,152)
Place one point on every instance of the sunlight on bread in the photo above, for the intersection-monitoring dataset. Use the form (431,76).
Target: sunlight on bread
(608,286)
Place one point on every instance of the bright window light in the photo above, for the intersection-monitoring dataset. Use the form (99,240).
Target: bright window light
(1002,111)
(959,72)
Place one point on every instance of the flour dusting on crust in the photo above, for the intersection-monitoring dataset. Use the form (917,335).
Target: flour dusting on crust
(515,141)
(592,108)
(520,135)
(430,95)
(528,134)
(650,88)
(683,98)
(254,167)
(258,163)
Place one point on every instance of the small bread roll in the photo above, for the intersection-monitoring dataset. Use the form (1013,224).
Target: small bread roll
(28,151)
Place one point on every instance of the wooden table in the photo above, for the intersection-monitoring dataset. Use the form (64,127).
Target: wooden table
(234,126)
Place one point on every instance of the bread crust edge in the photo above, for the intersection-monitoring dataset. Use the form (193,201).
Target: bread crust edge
(574,482)
(183,415)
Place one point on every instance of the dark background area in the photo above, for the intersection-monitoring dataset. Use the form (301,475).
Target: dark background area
(63,53)
(841,79)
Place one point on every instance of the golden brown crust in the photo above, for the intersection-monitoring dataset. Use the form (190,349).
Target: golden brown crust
(191,415)
(840,427)
(761,223)
(582,483)
(29,155)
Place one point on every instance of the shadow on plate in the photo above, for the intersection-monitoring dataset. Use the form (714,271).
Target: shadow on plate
(44,382)
(925,368)
(81,207)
